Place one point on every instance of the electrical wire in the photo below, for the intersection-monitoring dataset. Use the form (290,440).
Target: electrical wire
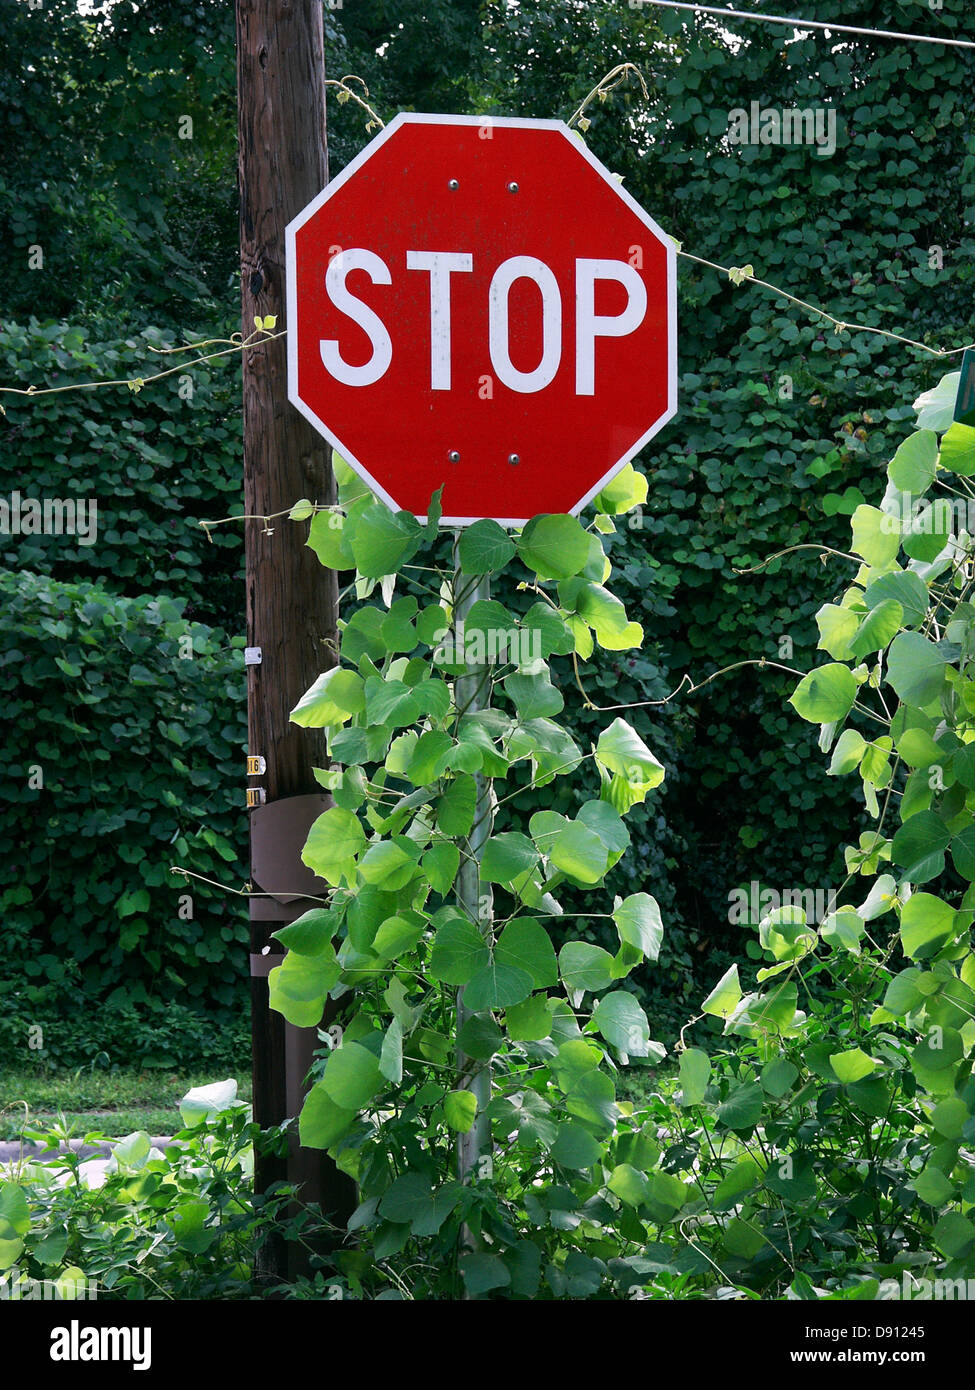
(809,23)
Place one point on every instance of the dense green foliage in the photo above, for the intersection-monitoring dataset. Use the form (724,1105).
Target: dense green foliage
(157,462)
(134,210)
(122,754)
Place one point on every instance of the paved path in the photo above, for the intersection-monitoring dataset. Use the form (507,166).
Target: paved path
(95,1157)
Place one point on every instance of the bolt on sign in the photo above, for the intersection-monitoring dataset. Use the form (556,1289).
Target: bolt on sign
(478,304)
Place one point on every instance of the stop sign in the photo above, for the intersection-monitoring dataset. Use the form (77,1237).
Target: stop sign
(478,304)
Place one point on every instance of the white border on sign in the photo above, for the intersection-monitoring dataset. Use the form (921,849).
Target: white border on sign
(354,165)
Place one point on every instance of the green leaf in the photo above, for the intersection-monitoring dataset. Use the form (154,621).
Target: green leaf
(958,449)
(480,1037)
(843,929)
(906,587)
(430,757)
(388,865)
(853,1065)
(694,1074)
(903,996)
(826,695)
(939,1049)
(631,1187)
(936,408)
(506,857)
(585,967)
(741,1110)
(623,1023)
(484,548)
(396,936)
(575,1147)
(297,988)
(460,1110)
(14,1223)
(837,627)
(743,1178)
(390,702)
(627,490)
(405,1197)
(458,951)
(382,541)
(931,1185)
(638,923)
(926,534)
(321,1122)
(530,1021)
(778,1077)
(926,925)
(878,628)
(874,537)
(919,846)
(352,1076)
(440,864)
(548,629)
(482,1273)
(187,1221)
(668,1191)
(524,943)
(849,750)
(396,629)
(915,669)
(455,807)
(199,1103)
(554,547)
(954,1235)
(312,933)
(603,612)
(496,986)
(726,995)
(620,749)
(534,696)
(918,748)
(391,1054)
(334,698)
(963,853)
(949,1117)
(334,840)
(912,468)
(578,852)
(329,538)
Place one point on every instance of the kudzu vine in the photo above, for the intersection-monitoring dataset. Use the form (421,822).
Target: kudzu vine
(820,1151)
(401,946)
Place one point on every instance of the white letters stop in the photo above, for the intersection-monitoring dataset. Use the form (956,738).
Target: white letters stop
(440,266)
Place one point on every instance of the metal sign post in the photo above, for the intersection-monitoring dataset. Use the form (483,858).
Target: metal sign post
(472,692)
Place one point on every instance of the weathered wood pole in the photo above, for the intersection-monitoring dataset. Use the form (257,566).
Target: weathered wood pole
(292,601)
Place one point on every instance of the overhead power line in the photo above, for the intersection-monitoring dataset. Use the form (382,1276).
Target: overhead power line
(810,23)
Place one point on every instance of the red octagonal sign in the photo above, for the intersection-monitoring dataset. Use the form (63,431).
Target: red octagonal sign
(478,304)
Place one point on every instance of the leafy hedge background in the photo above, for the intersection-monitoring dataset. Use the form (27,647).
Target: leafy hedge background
(138,230)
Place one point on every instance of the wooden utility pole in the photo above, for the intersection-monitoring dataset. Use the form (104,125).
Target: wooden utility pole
(292,601)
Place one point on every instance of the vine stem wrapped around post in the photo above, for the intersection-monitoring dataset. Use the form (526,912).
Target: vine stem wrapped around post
(474,898)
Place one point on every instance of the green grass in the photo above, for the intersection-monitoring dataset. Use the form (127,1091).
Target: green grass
(113,1102)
